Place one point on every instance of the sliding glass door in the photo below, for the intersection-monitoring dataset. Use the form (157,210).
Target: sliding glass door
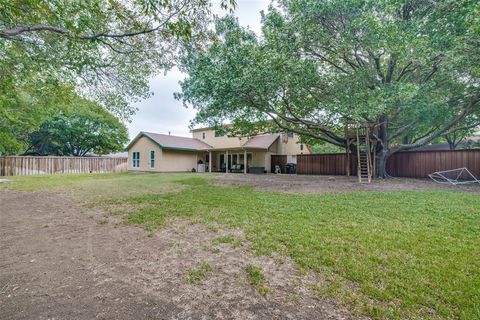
(234,158)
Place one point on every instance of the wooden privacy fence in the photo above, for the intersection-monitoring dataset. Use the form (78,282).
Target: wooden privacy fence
(419,164)
(26,166)
(328,164)
(411,164)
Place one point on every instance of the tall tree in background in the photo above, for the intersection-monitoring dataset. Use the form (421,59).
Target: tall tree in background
(88,128)
(459,134)
(24,107)
(30,112)
(409,67)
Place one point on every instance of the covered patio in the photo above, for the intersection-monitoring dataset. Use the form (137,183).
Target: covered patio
(235,160)
(254,156)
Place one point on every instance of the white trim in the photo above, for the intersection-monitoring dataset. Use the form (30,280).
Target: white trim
(245,161)
(209,161)
(226,162)
(135,160)
(150,159)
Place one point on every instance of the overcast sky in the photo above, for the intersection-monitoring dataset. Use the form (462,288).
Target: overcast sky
(162,113)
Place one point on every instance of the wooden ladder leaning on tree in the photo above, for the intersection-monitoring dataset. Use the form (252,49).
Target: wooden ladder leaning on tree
(364,155)
(365,160)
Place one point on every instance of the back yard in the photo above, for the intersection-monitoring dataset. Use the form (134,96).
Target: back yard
(229,246)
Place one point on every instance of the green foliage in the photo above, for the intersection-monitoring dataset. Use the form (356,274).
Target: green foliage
(107,49)
(326,148)
(52,52)
(24,107)
(29,110)
(87,129)
(408,67)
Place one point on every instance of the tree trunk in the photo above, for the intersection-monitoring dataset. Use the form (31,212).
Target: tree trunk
(382,151)
(381,163)
(451,142)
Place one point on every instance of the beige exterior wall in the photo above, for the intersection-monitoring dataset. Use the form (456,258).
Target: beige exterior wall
(219,142)
(258,158)
(285,145)
(144,145)
(178,161)
(166,160)
(291,146)
(274,149)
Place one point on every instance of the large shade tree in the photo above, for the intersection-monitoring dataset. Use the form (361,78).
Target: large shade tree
(410,68)
(29,112)
(107,49)
(86,129)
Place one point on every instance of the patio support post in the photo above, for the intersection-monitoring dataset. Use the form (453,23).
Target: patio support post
(226,162)
(245,161)
(210,161)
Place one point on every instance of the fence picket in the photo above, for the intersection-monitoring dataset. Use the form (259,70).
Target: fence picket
(410,164)
(25,166)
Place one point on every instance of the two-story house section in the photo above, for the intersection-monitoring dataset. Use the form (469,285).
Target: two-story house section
(210,150)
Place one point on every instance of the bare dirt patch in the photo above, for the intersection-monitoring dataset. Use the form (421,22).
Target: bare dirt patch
(327,184)
(59,260)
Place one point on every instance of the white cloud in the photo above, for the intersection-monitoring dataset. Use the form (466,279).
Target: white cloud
(162,113)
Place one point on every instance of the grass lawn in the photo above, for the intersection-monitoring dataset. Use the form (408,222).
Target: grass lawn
(386,255)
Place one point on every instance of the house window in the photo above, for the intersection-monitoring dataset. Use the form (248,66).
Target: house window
(219,133)
(203,135)
(301,147)
(152,159)
(290,134)
(136,159)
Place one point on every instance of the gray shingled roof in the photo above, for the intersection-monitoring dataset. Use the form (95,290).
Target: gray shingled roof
(261,142)
(173,142)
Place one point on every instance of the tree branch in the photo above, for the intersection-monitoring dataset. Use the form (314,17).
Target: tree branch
(322,57)
(302,132)
(378,67)
(405,70)
(468,110)
(19,30)
(390,69)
